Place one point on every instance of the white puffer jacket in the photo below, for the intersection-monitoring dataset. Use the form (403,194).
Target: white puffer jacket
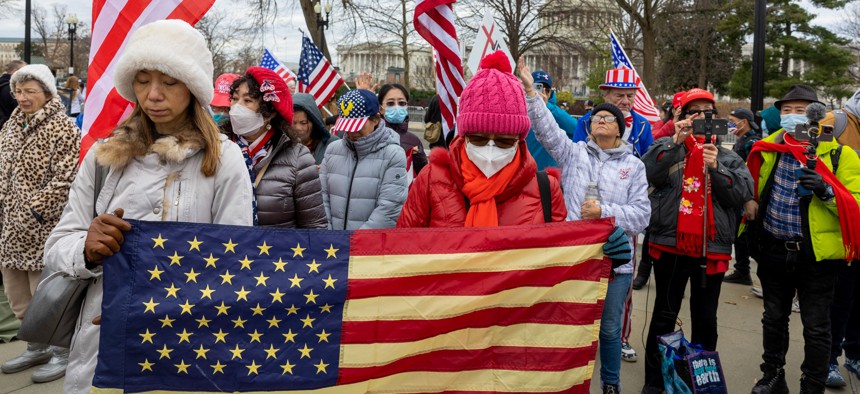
(620,176)
(164,186)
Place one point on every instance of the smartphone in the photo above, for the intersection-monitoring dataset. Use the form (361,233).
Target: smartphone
(717,126)
(802,191)
(803,132)
(539,87)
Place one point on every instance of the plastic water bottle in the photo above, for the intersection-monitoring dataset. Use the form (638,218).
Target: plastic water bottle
(592,193)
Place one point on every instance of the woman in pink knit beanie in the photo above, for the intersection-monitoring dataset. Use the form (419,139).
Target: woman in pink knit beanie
(487,177)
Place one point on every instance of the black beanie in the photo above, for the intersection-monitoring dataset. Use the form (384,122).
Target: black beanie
(619,116)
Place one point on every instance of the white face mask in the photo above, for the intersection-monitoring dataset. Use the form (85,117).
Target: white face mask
(244,120)
(489,158)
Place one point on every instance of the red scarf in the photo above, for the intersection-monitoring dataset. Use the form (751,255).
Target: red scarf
(690,215)
(482,191)
(846,205)
(628,120)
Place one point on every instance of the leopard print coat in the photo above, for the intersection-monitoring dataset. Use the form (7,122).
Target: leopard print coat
(38,164)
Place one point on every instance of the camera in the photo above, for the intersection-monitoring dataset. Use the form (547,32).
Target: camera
(809,132)
(710,126)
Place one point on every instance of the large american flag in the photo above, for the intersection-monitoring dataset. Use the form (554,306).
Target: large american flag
(643,104)
(316,75)
(434,20)
(199,307)
(271,62)
(113,22)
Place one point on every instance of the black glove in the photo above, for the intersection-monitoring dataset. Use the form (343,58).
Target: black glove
(617,248)
(813,181)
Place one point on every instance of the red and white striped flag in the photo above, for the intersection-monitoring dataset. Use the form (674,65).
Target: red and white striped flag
(643,104)
(316,75)
(434,20)
(113,23)
(272,63)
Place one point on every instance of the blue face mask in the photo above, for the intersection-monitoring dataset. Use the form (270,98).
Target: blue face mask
(395,114)
(789,121)
(220,118)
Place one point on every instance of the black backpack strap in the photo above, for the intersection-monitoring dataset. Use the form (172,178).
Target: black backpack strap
(834,158)
(545,195)
(98,183)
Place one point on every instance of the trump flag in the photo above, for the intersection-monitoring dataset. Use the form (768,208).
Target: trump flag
(198,307)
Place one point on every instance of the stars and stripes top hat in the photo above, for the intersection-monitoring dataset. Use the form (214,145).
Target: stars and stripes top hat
(274,90)
(222,90)
(354,108)
(621,78)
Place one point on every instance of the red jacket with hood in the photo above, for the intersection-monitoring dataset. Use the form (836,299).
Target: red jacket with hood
(436,200)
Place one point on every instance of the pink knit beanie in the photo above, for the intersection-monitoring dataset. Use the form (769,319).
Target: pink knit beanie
(494,100)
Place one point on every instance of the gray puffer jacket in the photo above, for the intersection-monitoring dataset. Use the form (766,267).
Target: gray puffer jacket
(731,187)
(364,182)
(289,194)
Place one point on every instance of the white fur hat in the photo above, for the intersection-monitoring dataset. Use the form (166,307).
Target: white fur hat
(172,47)
(39,71)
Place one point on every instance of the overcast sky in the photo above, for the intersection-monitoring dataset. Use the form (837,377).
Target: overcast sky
(285,41)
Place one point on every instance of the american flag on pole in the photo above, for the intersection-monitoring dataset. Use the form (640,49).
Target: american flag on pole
(643,104)
(316,75)
(434,20)
(113,22)
(271,62)
(199,307)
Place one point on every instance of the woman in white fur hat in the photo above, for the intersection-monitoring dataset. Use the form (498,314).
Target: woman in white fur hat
(38,157)
(167,162)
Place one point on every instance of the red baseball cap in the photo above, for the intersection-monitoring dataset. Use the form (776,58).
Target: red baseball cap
(222,90)
(697,94)
(274,90)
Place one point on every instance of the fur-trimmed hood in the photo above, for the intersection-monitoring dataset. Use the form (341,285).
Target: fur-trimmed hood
(128,142)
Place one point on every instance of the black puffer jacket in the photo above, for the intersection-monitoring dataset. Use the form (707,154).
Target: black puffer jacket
(289,194)
(731,187)
(408,141)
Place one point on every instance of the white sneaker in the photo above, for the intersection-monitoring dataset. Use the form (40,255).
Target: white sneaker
(756,290)
(628,353)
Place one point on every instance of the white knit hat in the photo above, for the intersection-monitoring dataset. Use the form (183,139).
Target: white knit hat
(172,47)
(39,71)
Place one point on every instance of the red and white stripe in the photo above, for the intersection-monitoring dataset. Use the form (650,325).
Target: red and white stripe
(285,73)
(349,125)
(113,23)
(434,20)
(324,83)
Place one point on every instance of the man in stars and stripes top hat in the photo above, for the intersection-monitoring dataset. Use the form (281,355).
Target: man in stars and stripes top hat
(620,90)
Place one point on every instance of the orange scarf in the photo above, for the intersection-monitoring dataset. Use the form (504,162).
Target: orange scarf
(482,191)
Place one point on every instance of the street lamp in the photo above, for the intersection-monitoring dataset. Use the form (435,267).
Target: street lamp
(72,21)
(322,22)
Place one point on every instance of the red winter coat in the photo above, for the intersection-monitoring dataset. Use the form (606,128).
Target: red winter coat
(436,200)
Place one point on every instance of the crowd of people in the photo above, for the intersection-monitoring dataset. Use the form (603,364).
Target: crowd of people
(246,150)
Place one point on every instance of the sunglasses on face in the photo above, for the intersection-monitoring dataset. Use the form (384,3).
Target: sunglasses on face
(605,118)
(399,104)
(501,142)
(692,112)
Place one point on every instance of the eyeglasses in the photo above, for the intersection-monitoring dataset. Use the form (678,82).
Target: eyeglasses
(605,118)
(501,142)
(399,104)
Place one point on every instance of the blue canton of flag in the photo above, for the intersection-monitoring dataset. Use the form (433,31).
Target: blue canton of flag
(269,61)
(618,57)
(253,309)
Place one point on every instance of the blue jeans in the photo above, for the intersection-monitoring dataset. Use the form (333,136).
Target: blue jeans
(610,328)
